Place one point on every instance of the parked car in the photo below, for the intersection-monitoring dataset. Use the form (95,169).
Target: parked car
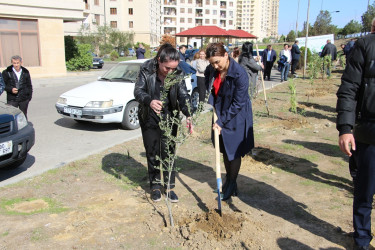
(189,54)
(17,136)
(110,99)
(97,61)
(131,52)
(255,52)
(122,53)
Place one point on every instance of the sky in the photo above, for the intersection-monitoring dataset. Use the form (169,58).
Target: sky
(349,9)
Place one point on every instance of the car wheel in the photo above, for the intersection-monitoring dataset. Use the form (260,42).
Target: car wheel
(99,67)
(80,121)
(130,118)
(194,99)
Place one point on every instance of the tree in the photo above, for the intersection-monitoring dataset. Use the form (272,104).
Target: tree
(71,49)
(291,37)
(266,40)
(282,39)
(303,32)
(351,28)
(322,25)
(121,40)
(367,18)
(168,39)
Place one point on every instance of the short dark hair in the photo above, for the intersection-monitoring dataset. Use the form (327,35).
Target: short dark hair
(167,53)
(215,49)
(182,46)
(296,41)
(247,48)
(286,44)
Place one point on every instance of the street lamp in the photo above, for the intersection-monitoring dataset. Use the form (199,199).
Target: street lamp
(336,11)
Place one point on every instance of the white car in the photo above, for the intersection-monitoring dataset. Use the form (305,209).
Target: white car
(110,99)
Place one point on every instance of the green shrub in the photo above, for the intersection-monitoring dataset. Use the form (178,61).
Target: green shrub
(71,49)
(83,59)
(114,55)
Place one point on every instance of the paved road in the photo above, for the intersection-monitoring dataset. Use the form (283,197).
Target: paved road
(60,140)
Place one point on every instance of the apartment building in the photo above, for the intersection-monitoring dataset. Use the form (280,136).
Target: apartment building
(34,30)
(258,17)
(139,16)
(180,15)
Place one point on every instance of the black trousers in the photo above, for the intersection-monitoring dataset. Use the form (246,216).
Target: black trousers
(154,142)
(201,88)
(267,70)
(294,66)
(21,105)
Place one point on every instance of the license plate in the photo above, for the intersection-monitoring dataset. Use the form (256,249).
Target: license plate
(6,148)
(73,111)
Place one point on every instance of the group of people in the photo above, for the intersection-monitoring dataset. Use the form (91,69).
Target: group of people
(227,84)
(16,81)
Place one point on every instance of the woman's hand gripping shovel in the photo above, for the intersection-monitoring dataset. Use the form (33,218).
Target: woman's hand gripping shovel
(217,162)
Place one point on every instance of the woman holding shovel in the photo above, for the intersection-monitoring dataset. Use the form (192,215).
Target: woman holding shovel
(229,83)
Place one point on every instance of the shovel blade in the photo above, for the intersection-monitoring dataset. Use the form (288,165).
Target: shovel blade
(218,181)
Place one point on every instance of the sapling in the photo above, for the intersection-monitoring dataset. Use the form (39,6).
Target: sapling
(293,96)
(173,136)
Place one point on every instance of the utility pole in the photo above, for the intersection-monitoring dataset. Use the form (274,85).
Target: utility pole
(297,20)
(307,36)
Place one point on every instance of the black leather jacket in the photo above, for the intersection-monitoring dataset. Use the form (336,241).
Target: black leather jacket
(24,86)
(144,91)
(356,95)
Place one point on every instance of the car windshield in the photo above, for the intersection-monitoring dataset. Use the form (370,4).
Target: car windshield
(123,72)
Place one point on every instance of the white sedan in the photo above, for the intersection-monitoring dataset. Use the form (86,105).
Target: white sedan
(110,99)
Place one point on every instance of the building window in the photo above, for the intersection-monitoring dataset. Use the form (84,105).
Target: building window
(96,2)
(207,12)
(214,21)
(190,10)
(207,21)
(113,11)
(207,2)
(190,1)
(182,20)
(230,4)
(113,24)
(182,10)
(19,37)
(130,24)
(130,11)
(190,20)
(215,2)
(97,19)
(182,1)
(214,12)
(230,22)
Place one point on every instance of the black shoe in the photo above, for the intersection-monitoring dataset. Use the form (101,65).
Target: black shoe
(156,195)
(281,80)
(172,196)
(230,191)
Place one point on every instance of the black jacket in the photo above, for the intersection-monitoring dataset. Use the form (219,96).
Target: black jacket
(356,95)
(329,49)
(24,86)
(296,53)
(144,91)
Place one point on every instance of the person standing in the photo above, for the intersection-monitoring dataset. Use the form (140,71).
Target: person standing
(202,64)
(296,54)
(147,92)
(228,85)
(356,125)
(329,50)
(18,84)
(140,52)
(182,50)
(285,69)
(2,84)
(235,53)
(247,61)
(268,59)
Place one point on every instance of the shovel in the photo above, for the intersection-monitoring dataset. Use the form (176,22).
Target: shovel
(217,162)
(264,88)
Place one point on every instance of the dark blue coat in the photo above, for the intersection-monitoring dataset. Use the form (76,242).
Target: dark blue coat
(233,108)
(273,56)
(296,53)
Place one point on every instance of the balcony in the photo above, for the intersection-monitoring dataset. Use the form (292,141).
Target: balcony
(170,31)
(170,2)
(198,23)
(170,11)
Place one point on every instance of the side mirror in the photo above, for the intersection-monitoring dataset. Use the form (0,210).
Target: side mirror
(99,77)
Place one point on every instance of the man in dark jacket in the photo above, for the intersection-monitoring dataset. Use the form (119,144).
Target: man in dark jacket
(18,85)
(329,50)
(356,126)
(140,52)
(147,92)
(268,59)
(296,54)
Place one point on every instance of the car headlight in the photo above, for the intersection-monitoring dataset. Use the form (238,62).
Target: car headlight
(99,104)
(21,121)
(61,100)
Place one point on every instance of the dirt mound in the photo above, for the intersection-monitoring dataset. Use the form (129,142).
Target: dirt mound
(215,226)
(28,206)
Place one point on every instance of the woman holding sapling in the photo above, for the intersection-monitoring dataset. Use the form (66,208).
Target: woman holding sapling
(147,91)
(229,83)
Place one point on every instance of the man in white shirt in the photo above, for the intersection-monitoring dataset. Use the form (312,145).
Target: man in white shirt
(285,70)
